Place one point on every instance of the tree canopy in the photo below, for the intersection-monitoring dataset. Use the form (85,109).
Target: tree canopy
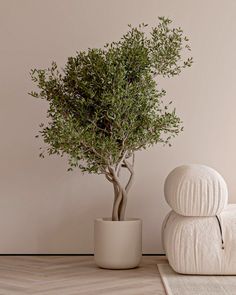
(106,102)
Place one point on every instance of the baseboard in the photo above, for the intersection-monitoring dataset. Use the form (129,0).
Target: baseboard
(61,254)
(154,254)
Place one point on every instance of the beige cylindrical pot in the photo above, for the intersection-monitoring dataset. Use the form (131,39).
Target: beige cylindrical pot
(118,244)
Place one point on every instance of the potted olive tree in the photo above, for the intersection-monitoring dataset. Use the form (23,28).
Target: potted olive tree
(103,107)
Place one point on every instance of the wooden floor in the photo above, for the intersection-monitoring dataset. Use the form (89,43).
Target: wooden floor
(73,275)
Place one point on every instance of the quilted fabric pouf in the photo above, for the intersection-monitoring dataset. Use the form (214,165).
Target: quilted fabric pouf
(199,234)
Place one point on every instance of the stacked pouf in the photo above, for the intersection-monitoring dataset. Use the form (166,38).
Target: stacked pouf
(199,234)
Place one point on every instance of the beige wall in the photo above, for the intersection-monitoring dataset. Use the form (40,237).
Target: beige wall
(43,208)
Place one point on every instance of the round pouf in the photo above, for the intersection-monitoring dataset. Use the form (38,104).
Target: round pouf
(196,190)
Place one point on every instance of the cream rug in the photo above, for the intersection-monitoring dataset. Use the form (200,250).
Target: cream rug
(177,284)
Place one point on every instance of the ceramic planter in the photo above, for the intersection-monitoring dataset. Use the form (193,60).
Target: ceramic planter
(118,244)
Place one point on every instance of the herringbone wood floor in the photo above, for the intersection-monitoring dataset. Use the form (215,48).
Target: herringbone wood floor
(75,275)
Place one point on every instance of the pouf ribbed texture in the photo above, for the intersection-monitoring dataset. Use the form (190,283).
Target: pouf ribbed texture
(196,190)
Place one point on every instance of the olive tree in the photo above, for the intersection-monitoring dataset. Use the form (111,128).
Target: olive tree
(106,104)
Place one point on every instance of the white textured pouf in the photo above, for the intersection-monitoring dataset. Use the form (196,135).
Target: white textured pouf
(196,190)
(199,234)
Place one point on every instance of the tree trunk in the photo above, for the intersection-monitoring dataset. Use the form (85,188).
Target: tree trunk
(120,190)
(116,203)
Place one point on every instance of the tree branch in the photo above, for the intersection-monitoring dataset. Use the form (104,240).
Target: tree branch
(118,166)
(131,170)
(91,148)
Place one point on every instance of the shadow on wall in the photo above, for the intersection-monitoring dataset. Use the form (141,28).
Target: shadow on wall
(57,217)
(69,228)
